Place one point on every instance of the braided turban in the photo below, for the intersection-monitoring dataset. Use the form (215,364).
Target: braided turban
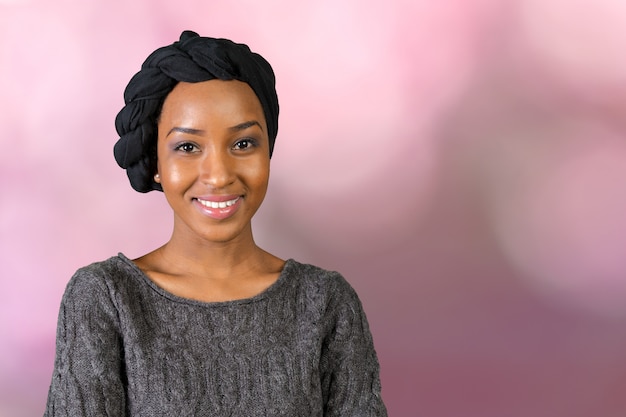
(191,59)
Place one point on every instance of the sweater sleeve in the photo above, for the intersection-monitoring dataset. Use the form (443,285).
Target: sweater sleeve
(349,365)
(88,370)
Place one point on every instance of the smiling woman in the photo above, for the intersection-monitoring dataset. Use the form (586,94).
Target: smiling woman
(209,323)
(213,160)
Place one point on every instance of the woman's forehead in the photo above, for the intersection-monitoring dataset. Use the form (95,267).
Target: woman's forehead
(222,102)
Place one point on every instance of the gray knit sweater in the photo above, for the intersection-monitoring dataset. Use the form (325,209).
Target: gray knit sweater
(126,347)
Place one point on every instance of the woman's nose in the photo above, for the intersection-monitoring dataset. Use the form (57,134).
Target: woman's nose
(217,169)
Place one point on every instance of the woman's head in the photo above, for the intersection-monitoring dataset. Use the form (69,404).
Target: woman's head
(192,59)
(213,158)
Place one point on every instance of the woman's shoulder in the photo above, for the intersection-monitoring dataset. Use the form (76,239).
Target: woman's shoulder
(111,268)
(311,272)
(326,281)
(105,275)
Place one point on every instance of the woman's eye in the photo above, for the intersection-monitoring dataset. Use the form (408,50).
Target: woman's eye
(244,144)
(186,147)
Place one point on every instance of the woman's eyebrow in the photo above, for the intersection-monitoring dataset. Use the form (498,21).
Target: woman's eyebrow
(236,128)
(187,130)
(245,125)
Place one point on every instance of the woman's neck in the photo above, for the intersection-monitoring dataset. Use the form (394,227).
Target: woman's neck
(195,256)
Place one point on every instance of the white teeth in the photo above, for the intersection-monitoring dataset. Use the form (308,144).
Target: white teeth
(216,204)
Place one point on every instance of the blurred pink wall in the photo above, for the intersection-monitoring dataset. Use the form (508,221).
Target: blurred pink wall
(461,162)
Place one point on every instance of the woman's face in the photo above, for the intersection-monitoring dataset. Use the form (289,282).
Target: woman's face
(213,158)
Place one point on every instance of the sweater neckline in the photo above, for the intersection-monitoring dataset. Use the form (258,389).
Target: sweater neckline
(275,287)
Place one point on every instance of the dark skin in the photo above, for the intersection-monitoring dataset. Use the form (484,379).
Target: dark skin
(213,165)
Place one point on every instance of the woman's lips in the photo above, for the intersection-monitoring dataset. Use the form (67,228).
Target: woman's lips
(218,207)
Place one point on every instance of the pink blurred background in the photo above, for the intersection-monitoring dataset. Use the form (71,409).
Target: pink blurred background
(461,162)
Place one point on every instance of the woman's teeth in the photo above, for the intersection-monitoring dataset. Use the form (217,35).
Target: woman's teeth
(218,204)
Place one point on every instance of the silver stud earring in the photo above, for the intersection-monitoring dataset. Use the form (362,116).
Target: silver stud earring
(157,178)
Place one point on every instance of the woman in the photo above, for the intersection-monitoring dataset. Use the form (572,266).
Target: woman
(209,324)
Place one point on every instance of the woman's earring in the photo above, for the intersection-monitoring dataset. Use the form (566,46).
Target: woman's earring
(157,178)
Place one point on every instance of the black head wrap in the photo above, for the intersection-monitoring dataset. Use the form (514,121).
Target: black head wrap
(191,59)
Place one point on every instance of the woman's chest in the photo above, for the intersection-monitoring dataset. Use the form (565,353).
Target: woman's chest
(236,363)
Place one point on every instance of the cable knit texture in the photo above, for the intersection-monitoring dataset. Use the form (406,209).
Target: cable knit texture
(126,347)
